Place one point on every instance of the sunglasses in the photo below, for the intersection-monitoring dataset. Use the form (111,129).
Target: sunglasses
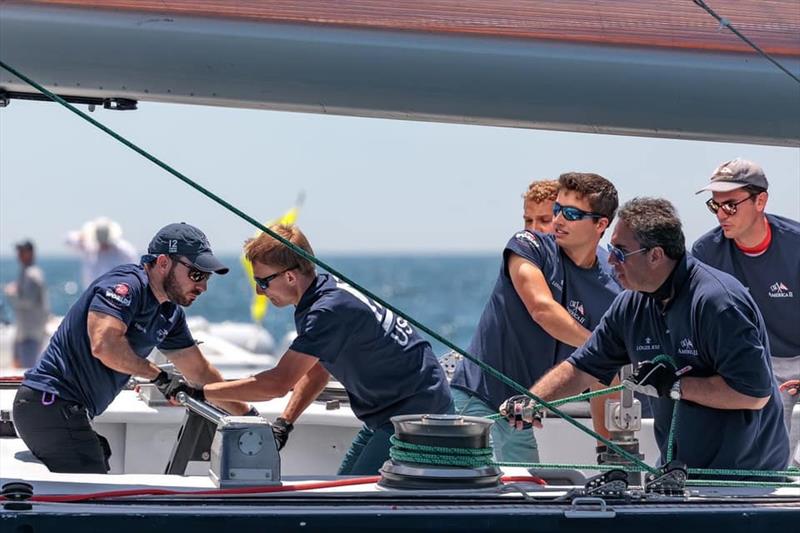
(728,207)
(620,255)
(573,213)
(198,276)
(263,283)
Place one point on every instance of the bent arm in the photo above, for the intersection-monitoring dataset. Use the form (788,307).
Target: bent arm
(306,391)
(266,385)
(532,288)
(109,345)
(714,392)
(198,370)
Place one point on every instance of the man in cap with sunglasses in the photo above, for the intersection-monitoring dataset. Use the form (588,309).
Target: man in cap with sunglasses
(386,368)
(550,293)
(697,337)
(105,339)
(763,252)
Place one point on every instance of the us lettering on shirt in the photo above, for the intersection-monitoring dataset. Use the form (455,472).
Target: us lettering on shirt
(399,330)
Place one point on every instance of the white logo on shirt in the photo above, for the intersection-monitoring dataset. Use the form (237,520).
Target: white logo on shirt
(525,236)
(161,334)
(575,308)
(687,347)
(647,345)
(122,300)
(140,327)
(780,290)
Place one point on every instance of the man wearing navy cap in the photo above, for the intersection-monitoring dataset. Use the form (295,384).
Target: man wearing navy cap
(763,252)
(105,338)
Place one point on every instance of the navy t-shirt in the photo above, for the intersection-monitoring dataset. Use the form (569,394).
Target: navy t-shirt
(712,324)
(773,278)
(386,368)
(70,371)
(509,340)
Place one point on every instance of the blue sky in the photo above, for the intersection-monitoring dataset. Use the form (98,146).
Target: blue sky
(373,186)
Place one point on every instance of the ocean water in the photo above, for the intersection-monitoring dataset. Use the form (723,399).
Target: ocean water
(446,293)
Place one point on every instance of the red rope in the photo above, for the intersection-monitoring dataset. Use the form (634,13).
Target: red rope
(67,498)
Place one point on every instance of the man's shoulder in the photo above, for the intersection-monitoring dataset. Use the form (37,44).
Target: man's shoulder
(709,240)
(710,285)
(784,227)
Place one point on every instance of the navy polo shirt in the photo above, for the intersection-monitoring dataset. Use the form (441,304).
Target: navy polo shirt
(386,368)
(70,371)
(509,340)
(773,278)
(712,324)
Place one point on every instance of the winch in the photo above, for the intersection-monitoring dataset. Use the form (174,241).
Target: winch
(440,452)
(243,451)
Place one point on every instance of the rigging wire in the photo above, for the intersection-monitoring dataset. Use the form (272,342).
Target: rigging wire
(724,23)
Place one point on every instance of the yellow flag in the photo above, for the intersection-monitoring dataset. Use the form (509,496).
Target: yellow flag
(259,304)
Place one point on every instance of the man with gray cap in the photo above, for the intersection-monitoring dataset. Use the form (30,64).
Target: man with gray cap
(28,297)
(763,252)
(105,338)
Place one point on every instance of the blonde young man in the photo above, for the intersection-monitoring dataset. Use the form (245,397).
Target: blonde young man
(385,366)
(537,208)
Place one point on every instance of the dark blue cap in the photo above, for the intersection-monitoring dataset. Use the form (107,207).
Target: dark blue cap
(186,240)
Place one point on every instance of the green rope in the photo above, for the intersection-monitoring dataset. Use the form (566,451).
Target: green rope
(672,429)
(302,253)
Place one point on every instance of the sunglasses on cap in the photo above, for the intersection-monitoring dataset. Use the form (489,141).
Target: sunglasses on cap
(729,207)
(198,276)
(620,255)
(263,283)
(573,213)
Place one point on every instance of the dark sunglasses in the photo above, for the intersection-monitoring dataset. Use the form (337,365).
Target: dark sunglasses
(198,276)
(573,213)
(263,283)
(619,255)
(728,207)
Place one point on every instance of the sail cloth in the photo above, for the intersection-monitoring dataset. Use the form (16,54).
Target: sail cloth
(259,303)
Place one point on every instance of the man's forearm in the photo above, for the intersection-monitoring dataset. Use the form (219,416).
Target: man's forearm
(714,392)
(563,380)
(560,325)
(305,391)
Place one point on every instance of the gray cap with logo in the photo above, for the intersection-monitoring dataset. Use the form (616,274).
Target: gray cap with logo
(736,174)
(185,240)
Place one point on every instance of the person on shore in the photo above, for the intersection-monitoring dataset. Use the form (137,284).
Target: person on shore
(709,327)
(101,248)
(762,251)
(28,298)
(105,338)
(537,207)
(386,368)
(550,293)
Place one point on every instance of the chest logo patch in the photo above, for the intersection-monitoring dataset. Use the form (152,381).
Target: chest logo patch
(686,347)
(576,310)
(647,345)
(780,290)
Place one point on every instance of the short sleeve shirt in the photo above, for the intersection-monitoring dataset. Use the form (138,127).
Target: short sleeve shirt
(509,340)
(70,371)
(773,278)
(712,325)
(386,368)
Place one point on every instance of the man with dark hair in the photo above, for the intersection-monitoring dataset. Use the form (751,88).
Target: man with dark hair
(105,338)
(28,297)
(550,293)
(710,328)
(386,368)
(537,208)
(763,252)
